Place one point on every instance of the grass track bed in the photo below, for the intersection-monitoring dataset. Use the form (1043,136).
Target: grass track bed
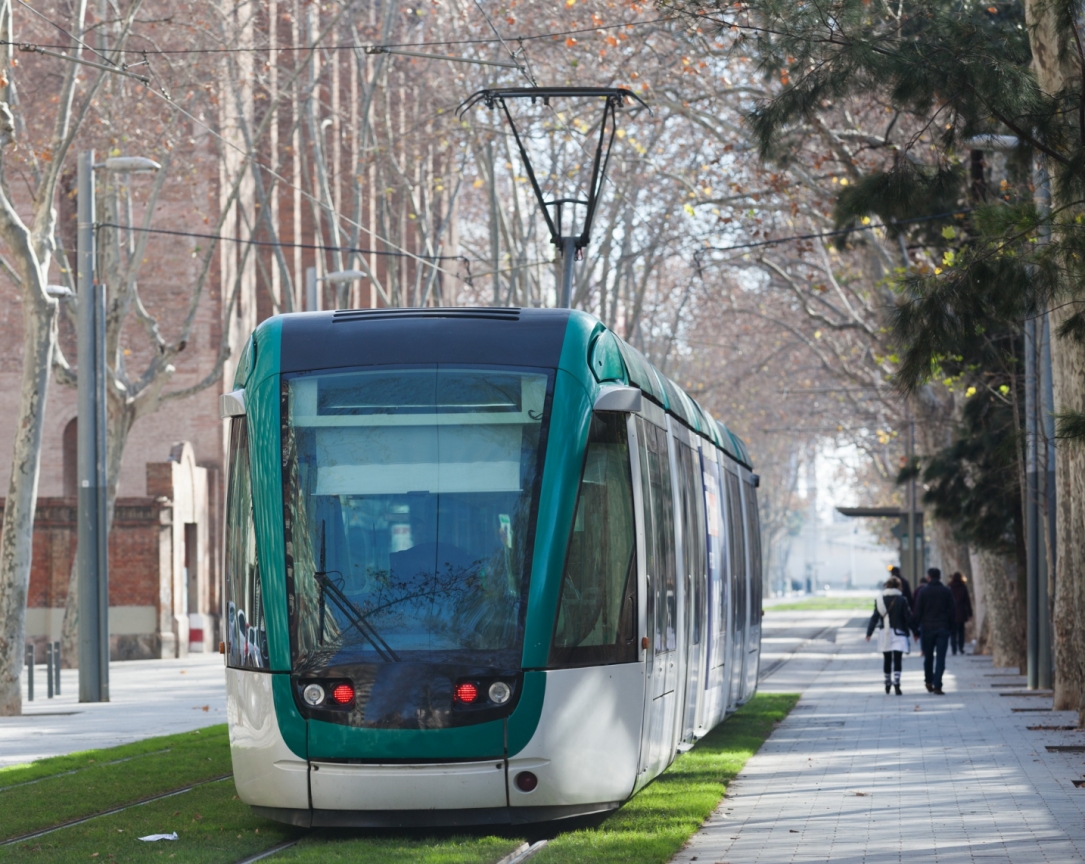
(655,824)
(214,826)
(817,604)
(54,791)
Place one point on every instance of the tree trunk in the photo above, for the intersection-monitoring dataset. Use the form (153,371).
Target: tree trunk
(979,605)
(1068,376)
(1054,65)
(1005,608)
(17,539)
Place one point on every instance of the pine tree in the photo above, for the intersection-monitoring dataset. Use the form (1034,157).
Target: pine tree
(952,73)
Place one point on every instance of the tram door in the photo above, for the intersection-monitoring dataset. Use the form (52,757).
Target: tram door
(695,580)
(753,545)
(661,658)
(716,643)
(739,615)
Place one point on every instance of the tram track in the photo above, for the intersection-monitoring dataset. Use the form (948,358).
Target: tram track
(778,664)
(84,768)
(33,835)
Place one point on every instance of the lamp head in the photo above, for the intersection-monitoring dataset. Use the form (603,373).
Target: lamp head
(343,276)
(128,164)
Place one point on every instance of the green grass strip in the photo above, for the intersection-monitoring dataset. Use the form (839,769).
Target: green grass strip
(212,826)
(413,847)
(58,790)
(656,823)
(822,603)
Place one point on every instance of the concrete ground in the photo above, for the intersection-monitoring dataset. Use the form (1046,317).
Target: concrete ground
(853,775)
(148,697)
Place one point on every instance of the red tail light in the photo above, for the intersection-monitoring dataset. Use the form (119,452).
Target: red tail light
(466,692)
(343,693)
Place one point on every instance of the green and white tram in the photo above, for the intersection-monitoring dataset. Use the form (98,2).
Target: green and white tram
(482,566)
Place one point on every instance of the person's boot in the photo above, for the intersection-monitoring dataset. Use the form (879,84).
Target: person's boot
(930,687)
(938,691)
(897,687)
(886,685)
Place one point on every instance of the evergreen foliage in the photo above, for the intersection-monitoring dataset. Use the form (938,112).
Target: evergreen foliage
(973,484)
(951,76)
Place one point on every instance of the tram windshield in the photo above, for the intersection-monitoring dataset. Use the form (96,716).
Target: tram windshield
(409,503)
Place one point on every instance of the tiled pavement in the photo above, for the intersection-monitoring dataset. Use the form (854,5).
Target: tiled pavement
(853,775)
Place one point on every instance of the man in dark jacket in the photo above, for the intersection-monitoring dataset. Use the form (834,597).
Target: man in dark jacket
(935,615)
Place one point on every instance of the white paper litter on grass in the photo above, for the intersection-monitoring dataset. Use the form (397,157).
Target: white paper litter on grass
(151,838)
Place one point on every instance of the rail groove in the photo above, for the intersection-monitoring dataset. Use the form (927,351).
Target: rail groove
(35,834)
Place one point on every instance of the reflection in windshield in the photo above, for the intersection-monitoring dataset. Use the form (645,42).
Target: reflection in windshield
(409,496)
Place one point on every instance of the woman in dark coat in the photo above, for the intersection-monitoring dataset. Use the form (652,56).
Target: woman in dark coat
(958,585)
(891,615)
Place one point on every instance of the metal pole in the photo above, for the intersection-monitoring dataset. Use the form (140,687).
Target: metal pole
(49,670)
(93,625)
(568,255)
(1045,438)
(1045,425)
(312,297)
(1032,535)
(29,673)
(913,552)
(495,234)
(56,668)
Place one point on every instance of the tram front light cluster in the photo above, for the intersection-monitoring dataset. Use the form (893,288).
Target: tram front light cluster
(481,694)
(328,694)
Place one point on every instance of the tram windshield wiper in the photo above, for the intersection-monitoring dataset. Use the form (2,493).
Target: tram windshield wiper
(354,615)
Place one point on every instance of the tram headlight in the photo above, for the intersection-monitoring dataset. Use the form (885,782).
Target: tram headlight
(313,694)
(500,692)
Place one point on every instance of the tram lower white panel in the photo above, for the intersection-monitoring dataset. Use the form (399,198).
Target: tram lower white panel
(586,746)
(266,771)
(454,786)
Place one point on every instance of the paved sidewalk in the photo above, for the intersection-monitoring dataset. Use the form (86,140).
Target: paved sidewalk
(148,697)
(853,775)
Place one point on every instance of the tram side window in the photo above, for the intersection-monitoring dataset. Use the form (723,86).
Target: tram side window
(693,539)
(659,526)
(757,577)
(246,637)
(596,618)
(738,552)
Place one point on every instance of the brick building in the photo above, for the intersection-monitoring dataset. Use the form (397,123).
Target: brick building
(165,548)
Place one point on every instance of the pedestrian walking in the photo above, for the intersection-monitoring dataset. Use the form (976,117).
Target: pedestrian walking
(935,615)
(958,584)
(891,614)
(905,587)
(923,580)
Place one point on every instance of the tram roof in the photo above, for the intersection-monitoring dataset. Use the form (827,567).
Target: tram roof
(485,335)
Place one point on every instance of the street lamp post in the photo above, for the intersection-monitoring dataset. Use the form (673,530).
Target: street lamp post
(92,555)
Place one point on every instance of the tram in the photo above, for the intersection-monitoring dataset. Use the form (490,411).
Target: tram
(482,566)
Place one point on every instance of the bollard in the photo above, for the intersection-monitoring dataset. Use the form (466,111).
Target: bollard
(48,670)
(56,668)
(29,673)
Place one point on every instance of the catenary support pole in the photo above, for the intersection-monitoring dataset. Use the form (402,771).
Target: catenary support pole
(1032,534)
(1046,507)
(91,550)
(568,256)
(913,547)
